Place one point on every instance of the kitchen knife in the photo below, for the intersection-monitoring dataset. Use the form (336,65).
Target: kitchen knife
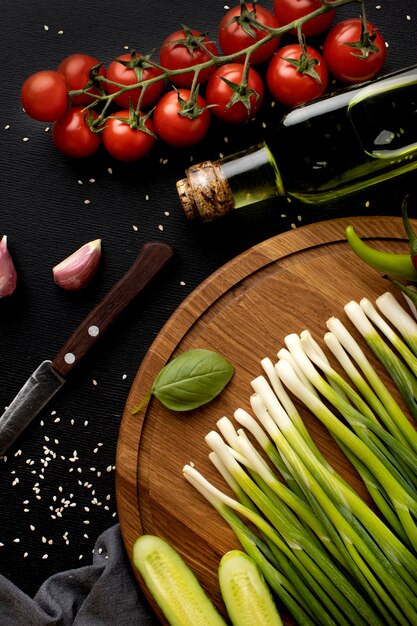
(49,377)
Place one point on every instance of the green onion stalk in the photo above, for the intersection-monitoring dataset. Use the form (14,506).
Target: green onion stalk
(326,554)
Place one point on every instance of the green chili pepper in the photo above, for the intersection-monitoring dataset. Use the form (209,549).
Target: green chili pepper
(410,232)
(394,264)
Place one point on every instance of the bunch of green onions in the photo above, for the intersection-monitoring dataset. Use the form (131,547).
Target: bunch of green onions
(329,558)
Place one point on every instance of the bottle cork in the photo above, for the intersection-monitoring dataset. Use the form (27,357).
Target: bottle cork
(205,192)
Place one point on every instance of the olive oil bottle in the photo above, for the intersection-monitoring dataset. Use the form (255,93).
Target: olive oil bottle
(320,151)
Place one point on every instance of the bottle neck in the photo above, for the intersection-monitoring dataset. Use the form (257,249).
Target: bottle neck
(212,189)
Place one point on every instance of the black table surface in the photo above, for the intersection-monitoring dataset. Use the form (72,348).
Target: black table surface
(58,480)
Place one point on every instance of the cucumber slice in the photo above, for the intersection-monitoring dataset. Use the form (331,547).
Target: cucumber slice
(172,584)
(246,596)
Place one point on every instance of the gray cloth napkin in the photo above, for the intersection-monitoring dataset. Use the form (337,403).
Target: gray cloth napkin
(104,593)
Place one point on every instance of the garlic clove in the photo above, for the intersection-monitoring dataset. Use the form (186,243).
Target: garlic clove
(8,275)
(76,271)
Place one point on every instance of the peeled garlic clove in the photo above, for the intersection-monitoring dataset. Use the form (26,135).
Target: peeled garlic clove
(8,275)
(78,269)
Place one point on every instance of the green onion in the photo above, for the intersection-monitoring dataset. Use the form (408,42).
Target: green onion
(327,555)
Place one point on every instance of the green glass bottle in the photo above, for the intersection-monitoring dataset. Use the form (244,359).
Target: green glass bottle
(323,150)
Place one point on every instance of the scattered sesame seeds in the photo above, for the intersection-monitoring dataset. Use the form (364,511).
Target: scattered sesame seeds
(45,27)
(7,127)
(87,201)
(110,170)
(135,228)
(60,32)
(25,139)
(160,227)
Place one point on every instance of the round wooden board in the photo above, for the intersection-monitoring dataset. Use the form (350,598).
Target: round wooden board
(293,281)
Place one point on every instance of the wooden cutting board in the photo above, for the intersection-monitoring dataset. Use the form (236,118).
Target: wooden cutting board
(293,281)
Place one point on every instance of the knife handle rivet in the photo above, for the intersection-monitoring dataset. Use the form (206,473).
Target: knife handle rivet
(69,358)
(93,331)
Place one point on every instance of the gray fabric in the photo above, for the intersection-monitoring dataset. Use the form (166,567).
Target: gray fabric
(104,593)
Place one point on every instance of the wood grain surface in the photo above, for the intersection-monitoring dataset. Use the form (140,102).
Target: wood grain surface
(244,310)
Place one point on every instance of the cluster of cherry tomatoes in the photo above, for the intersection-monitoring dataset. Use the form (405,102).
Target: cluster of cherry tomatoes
(127,106)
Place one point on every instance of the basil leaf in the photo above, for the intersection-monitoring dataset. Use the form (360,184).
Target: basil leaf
(192,379)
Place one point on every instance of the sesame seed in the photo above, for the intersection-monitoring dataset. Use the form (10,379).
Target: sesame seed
(135,228)
(45,27)
(45,556)
(87,201)
(110,170)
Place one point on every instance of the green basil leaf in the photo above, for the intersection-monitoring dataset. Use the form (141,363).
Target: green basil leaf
(192,379)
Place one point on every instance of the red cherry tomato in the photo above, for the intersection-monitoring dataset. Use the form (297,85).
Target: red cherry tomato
(290,86)
(124,142)
(73,137)
(219,93)
(233,37)
(286,11)
(176,129)
(76,69)
(122,75)
(44,95)
(347,63)
(182,49)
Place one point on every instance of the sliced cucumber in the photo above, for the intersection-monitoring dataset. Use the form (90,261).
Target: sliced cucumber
(246,596)
(172,584)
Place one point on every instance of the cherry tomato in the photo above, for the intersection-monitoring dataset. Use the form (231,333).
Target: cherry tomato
(126,76)
(73,137)
(182,49)
(354,64)
(286,11)
(44,95)
(288,84)
(219,93)
(176,129)
(234,35)
(76,69)
(124,142)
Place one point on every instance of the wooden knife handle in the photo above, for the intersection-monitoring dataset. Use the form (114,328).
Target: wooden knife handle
(152,258)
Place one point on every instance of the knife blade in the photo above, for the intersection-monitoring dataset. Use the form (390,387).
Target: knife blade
(50,375)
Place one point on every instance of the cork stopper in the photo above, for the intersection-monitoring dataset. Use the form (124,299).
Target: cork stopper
(205,192)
